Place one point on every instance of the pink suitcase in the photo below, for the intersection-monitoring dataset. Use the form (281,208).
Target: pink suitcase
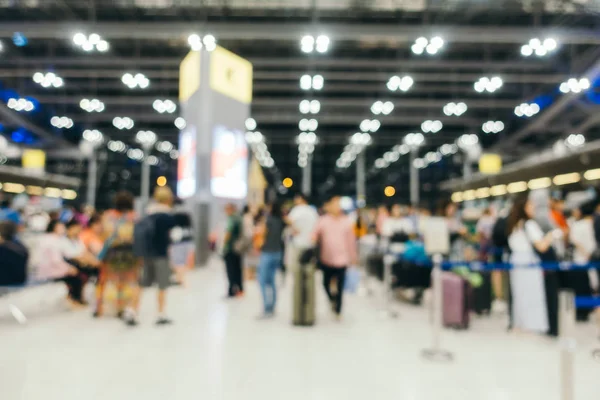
(455,301)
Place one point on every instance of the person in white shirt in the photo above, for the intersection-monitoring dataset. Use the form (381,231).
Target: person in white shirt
(398,227)
(303,220)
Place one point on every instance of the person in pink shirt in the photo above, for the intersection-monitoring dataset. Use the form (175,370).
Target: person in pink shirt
(337,243)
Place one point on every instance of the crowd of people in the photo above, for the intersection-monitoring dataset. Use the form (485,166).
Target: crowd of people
(134,252)
(116,246)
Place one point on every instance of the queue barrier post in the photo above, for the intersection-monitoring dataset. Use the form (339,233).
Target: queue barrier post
(568,344)
(436,352)
(388,292)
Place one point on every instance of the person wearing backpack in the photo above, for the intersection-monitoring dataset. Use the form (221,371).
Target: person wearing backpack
(152,239)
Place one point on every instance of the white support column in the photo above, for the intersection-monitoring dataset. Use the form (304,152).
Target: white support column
(414,178)
(92,181)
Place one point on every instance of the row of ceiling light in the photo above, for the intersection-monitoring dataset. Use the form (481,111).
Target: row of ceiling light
(256,140)
(17,188)
(522,186)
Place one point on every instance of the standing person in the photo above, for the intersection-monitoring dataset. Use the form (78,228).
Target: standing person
(302,220)
(382,216)
(337,243)
(157,231)
(182,250)
(271,258)
(117,228)
(231,255)
(526,241)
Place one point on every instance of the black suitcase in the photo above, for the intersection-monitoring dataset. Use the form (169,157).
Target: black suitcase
(481,302)
(375,266)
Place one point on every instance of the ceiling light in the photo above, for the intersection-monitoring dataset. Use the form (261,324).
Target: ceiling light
(164,147)
(538,47)
(448,149)
(493,127)
(575,140)
(308,82)
(180,123)
(93,105)
(566,179)
(498,190)
(403,84)
(91,42)
(123,123)
(20,104)
(135,154)
(368,125)
(174,154)
(456,109)
(61,122)
(432,46)
(163,106)
(575,85)
(486,84)
(467,140)
(419,163)
(430,126)
(146,138)
(380,107)
(527,109)
(414,140)
(196,42)
(516,187)
(93,136)
(539,183)
(592,174)
(135,81)
(116,146)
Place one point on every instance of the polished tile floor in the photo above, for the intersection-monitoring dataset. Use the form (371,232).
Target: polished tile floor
(218,350)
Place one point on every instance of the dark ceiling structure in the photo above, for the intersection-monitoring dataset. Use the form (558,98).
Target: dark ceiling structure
(370,42)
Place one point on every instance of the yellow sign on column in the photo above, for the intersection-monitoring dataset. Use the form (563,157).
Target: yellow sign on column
(231,75)
(189,75)
(490,164)
(34,160)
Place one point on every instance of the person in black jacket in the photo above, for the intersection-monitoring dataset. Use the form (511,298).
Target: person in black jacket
(14,256)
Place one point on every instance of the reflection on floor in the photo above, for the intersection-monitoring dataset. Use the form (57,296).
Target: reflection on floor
(218,350)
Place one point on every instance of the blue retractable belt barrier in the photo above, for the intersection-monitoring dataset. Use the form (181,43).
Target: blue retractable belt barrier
(587,302)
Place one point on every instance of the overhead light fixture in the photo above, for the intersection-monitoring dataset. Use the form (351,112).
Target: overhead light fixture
(448,149)
(180,123)
(456,109)
(145,138)
(414,140)
(489,85)
(308,82)
(482,193)
(48,79)
(174,154)
(20,104)
(469,195)
(196,43)
(309,44)
(138,80)
(457,197)
(380,107)
(575,140)
(492,127)
(468,140)
(93,105)
(516,187)
(433,157)
(116,146)
(163,106)
(369,125)
(93,136)
(403,84)
(527,109)
(135,154)
(566,179)
(498,190)
(250,124)
(91,42)
(123,123)
(574,85)
(61,122)
(254,138)
(308,124)
(164,146)
(592,174)
(538,47)
(430,126)
(419,163)
(430,46)
(539,183)
(310,106)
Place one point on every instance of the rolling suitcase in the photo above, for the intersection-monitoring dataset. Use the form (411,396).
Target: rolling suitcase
(304,295)
(455,299)
(482,296)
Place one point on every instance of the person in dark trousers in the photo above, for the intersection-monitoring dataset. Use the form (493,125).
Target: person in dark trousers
(14,256)
(338,250)
(232,258)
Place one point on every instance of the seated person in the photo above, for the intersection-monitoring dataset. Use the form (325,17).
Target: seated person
(14,256)
(49,258)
